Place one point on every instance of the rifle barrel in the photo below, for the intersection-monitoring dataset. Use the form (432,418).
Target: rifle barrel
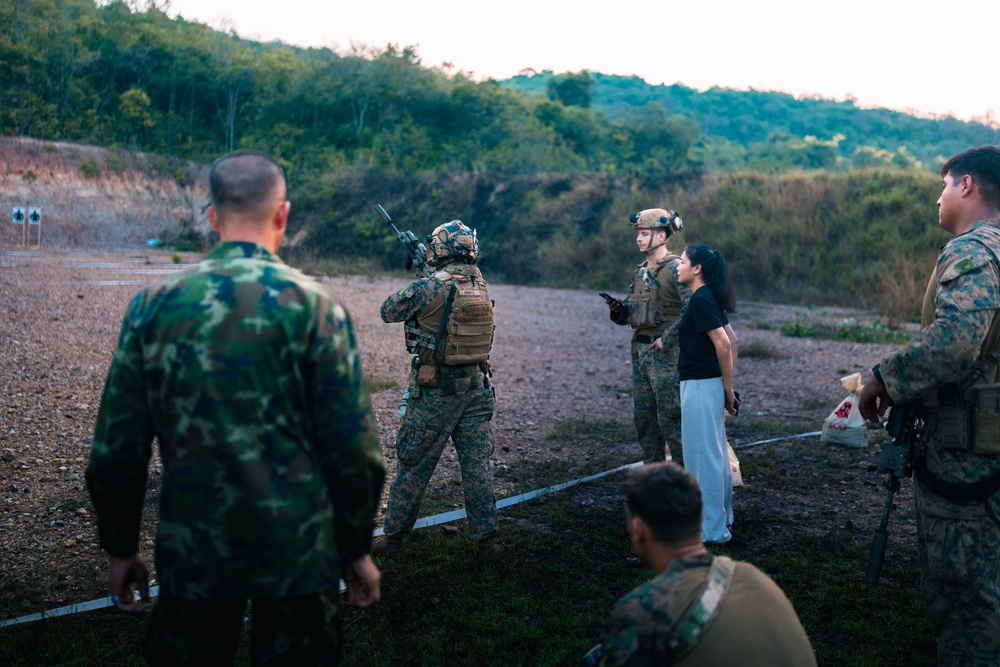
(879,544)
(385,216)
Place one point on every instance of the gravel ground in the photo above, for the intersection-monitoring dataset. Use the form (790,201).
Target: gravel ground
(556,358)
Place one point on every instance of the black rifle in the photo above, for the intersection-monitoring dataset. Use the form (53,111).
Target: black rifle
(897,463)
(416,251)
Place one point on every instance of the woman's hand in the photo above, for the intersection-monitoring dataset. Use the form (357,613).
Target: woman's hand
(731,404)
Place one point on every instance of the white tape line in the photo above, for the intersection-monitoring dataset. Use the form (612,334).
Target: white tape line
(787,437)
(507,502)
(101,603)
(455,515)
(559,487)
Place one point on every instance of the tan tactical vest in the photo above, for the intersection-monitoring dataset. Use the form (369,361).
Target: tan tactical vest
(468,333)
(654,299)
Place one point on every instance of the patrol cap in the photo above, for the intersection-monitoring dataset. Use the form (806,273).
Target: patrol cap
(657,218)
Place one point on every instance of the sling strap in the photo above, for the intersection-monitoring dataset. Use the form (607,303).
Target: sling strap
(444,321)
(699,615)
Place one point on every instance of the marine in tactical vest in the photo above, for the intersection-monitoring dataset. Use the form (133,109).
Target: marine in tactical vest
(950,373)
(455,328)
(448,328)
(654,304)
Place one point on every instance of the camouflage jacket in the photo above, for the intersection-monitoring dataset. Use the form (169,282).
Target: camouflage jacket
(968,296)
(248,375)
(639,630)
(756,625)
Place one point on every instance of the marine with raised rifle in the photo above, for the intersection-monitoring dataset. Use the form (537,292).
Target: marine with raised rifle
(448,328)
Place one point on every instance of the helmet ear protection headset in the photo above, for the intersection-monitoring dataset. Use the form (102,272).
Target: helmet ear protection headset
(452,240)
(657,218)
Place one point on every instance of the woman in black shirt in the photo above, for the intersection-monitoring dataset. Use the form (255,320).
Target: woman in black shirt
(707,359)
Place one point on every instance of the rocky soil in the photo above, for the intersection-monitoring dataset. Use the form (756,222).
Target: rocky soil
(557,359)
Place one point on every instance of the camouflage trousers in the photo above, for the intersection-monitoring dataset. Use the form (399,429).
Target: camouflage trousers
(657,410)
(300,630)
(432,418)
(960,577)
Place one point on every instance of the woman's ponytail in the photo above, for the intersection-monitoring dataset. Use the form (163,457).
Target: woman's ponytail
(714,273)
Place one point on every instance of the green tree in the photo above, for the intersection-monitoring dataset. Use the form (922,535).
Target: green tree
(654,143)
(572,89)
(133,105)
(235,60)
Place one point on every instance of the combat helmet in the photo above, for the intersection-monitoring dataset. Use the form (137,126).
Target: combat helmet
(452,240)
(657,218)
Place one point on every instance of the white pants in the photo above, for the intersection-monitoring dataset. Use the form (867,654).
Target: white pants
(706,455)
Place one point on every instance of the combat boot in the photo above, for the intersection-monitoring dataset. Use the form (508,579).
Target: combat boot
(388,545)
(489,550)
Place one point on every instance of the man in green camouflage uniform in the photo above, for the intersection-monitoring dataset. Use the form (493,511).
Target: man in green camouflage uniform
(948,372)
(700,609)
(248,374)
(654,304)
(449,328)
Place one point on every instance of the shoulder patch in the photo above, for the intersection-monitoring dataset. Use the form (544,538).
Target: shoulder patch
(962,256)
(960,268)
(964,266)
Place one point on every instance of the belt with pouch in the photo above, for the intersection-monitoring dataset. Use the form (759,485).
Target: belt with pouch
(450,379)
(967,419)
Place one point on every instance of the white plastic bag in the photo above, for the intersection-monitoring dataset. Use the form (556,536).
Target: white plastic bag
(734,465)
(845,425)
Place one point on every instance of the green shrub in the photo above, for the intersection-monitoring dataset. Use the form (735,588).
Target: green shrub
(847,330)
(91,167)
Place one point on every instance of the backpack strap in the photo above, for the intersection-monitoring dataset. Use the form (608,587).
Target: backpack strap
(695,621)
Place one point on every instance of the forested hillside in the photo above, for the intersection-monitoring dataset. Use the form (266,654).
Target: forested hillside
(113,75)
(814,200)
(124,74)
(768,130)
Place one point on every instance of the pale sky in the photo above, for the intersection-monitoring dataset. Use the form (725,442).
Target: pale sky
(910,55)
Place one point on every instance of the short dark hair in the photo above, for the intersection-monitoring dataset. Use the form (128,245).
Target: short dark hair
(982,163)
(667,498)
(244,180)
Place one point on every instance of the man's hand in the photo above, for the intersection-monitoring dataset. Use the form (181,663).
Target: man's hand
(614,305)
(126,573)
(363,582)
(874,400)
